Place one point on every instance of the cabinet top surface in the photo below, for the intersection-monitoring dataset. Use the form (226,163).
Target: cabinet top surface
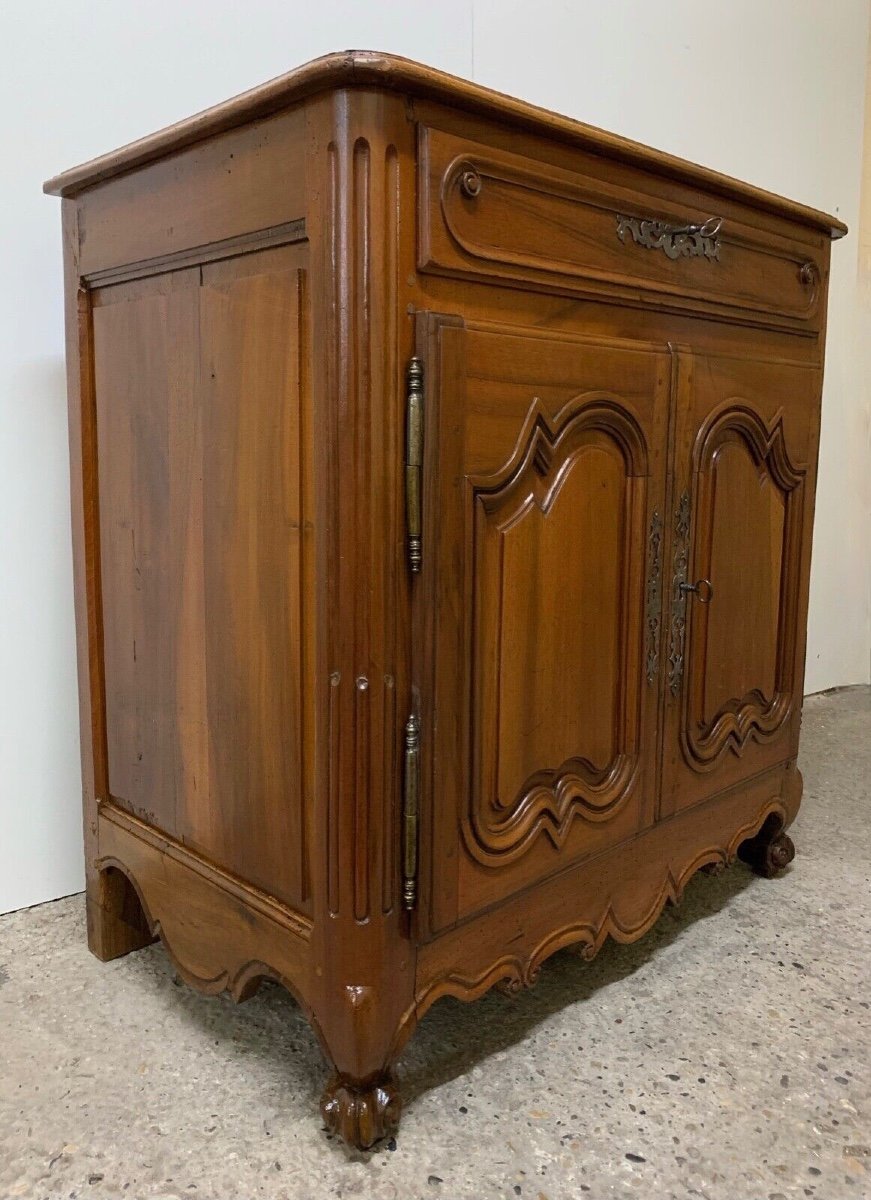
(363,68)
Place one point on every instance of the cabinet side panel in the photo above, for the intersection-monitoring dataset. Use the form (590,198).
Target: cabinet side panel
(253,568)
(147,417)
(200,412)
(246,181)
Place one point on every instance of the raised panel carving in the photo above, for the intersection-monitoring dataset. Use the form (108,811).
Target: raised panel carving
(747,540)
(556,536)
(204,561)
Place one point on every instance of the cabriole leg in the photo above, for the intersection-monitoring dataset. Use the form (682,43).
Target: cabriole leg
(362,1036)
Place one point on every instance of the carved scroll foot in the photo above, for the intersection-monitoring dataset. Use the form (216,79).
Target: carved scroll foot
(361,1113)
(770,850)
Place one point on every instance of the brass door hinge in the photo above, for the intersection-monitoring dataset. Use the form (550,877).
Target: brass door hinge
(414,462)
(410,807)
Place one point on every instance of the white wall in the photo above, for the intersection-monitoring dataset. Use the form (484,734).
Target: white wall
(76,80)
(773,92)
(770,91)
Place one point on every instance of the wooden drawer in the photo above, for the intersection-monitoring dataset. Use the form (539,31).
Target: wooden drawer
(486,212)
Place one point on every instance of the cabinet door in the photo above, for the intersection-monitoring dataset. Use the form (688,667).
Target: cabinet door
(746,438)
(537,634)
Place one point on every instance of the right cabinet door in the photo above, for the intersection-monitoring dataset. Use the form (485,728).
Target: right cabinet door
(746,433)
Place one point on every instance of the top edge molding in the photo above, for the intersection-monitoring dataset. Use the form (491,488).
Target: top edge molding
(355,68)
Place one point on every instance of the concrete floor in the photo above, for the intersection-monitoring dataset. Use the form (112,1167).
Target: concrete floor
(727,1055)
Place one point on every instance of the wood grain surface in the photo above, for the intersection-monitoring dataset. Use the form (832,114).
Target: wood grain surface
(592,687)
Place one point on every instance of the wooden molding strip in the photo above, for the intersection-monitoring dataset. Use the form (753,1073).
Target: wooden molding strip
(362,68)
(245,243)
(293,921)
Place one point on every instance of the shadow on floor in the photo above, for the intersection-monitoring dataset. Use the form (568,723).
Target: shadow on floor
(453,1036)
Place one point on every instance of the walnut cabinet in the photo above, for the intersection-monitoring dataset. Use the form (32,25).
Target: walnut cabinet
(443,477)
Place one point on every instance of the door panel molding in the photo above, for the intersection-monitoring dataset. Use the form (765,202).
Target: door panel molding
(549,457)
(752,715)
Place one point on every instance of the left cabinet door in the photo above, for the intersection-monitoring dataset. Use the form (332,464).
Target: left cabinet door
(205,573)
(538,607)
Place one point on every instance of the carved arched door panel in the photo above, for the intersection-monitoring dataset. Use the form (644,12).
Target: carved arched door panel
(554,700)
(738,546)
(540,742)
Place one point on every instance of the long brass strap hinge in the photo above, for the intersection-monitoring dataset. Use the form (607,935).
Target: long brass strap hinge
(414,463)
(410,811)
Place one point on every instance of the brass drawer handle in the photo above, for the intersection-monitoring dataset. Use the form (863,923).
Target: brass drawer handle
(703,589)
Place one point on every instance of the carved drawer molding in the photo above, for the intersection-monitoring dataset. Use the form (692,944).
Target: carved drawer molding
(485,212)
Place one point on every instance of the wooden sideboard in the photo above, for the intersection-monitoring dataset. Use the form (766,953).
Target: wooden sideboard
(443,478)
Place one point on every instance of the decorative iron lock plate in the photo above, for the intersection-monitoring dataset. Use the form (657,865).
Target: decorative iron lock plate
(680,563)
(654,593)
(675,241)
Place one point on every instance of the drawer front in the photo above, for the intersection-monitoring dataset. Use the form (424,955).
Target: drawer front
(486,212)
